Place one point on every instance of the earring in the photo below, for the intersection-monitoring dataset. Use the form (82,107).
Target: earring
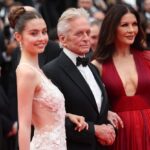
(20,45)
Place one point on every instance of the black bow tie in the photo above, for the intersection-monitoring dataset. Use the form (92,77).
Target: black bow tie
(82,61)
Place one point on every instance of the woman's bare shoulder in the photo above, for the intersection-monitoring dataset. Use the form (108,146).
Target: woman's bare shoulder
(25,72)
(98,65)
(26,76)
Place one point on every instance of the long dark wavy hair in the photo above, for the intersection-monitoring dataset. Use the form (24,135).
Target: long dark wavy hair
(106,45)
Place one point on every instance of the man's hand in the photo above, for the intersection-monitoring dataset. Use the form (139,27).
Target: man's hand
(105,134)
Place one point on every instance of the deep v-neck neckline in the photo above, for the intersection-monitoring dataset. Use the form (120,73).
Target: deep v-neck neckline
(121,82)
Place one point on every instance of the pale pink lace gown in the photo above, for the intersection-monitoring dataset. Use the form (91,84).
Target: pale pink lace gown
(48,116)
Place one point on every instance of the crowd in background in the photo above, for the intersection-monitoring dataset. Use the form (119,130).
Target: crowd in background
(51,11)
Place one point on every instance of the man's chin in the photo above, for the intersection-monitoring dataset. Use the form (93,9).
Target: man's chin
(86,50)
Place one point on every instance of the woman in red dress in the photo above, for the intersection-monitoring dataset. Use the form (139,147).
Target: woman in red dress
(124,67)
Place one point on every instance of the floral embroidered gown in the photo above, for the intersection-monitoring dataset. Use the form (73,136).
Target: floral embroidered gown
(48,115)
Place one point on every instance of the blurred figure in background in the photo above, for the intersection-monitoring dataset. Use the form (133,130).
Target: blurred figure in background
(145,17)
(95,13)
(95,27)
(7,125)
(94,34)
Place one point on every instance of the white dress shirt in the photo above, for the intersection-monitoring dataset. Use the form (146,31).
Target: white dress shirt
(89,77)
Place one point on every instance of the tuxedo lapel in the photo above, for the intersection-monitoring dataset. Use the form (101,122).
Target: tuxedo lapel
(71,70)
(101,85)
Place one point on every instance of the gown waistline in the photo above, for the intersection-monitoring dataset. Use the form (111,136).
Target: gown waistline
(130,103)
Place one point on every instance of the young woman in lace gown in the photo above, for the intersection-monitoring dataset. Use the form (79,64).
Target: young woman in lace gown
(40,102)
(124,67)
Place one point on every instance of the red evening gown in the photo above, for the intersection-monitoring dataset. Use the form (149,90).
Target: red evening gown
(134,110)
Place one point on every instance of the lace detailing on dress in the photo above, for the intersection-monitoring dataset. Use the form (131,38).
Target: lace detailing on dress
(48,115)
(49,140)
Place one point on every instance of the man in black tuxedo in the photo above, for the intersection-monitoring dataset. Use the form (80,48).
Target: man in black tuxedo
(81,85)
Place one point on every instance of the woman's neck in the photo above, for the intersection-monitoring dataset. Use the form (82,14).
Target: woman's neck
(31,59)
(122,51)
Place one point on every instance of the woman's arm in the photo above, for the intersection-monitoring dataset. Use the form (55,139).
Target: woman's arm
(78,120)
(26,85)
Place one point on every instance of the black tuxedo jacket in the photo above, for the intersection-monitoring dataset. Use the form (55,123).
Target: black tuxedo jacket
(78,100)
